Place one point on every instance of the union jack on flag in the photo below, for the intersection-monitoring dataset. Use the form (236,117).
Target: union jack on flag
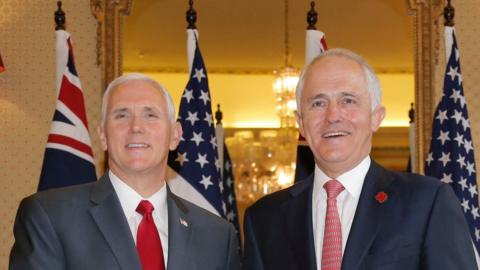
(451,157)
(195,163)
(68,158)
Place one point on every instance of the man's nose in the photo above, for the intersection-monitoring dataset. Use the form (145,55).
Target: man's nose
(136,124)
(333,112)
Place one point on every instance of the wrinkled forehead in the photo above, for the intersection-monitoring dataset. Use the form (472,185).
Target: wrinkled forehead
(136,92)
(334,73)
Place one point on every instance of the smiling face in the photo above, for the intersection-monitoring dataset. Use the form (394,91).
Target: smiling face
(336,116)
(137,131)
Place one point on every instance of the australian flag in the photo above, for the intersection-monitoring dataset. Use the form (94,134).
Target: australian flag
(451,157)
(196,157)
(68,158)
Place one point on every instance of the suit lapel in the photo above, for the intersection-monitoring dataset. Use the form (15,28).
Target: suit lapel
(368,216)
(179,232)
(110,219)
(299,226)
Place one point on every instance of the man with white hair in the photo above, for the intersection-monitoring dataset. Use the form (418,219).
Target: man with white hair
(352,213)
(128,219)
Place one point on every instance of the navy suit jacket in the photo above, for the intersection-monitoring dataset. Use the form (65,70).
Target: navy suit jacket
(84,227)
(420,226)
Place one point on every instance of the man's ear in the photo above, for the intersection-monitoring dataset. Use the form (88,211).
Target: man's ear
(102,136)
(298,118)
(377,117)
(175,136)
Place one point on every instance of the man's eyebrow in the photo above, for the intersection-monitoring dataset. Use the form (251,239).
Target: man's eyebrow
(317,96)
(347,94)
(120,110)
(151,109)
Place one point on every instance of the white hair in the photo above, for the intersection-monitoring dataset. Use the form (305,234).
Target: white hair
(373,84)
(136,77)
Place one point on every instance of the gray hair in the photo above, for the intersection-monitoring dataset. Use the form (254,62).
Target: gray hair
(373,84)
(136,77)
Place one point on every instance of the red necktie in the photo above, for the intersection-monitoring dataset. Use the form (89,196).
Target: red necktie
(149,245)
(332,235)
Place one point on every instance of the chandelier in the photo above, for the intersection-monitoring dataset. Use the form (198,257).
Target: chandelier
(286,79)
(264,160)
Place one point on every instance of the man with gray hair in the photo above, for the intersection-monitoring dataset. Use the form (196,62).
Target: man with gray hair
(352,213)
(129,218)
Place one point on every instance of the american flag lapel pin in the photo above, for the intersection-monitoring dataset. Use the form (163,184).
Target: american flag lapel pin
(184,222)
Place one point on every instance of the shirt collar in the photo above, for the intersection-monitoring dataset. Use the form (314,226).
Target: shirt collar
(351,180)
(129,198)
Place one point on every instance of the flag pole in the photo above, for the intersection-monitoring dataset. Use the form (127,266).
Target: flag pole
(312,17)
(59,17)
(192,34)
(219,133)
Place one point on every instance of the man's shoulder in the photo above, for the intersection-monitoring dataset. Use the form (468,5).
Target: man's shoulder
(60,197)
(413,180)
(411,183)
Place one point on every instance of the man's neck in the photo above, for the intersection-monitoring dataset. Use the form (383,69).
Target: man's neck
(145,184)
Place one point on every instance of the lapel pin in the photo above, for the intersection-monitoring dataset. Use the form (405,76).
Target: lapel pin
(184,222)
(381,197)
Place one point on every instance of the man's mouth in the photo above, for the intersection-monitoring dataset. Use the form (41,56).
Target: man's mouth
(137,145)
(335,134)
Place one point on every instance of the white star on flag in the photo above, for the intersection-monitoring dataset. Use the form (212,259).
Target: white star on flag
(445,159)
(181,158)
(443,137)
(447,178)
(459,139)
(208,118)
(188,95)
(192,117)
(473,190)
(442,115)
(197,138)
(465,205)
(199,74)
(202,160)
(206,181)
(457,116)
(213,142)
(461,161)
(204,97)
(455,96)
(463,183)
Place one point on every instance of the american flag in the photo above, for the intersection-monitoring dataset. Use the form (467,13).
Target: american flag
(228,190)
(451,156)
(315,45)
(68,158)
(196,158)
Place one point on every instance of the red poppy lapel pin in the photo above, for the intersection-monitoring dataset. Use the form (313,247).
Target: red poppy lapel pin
(381,197)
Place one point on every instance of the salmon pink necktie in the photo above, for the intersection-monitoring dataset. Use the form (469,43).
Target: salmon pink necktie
(149,245)
(332,235)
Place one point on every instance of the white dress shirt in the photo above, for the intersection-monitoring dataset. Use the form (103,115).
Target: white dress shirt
(347,202)
(129,199)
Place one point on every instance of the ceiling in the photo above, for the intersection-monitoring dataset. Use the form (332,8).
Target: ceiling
(245,36)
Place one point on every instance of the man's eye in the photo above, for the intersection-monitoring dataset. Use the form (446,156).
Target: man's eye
(152,115)
(120,115)
(349,101)
(319,103)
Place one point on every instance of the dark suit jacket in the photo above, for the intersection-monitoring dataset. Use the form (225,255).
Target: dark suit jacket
(84,227)
(420,226)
